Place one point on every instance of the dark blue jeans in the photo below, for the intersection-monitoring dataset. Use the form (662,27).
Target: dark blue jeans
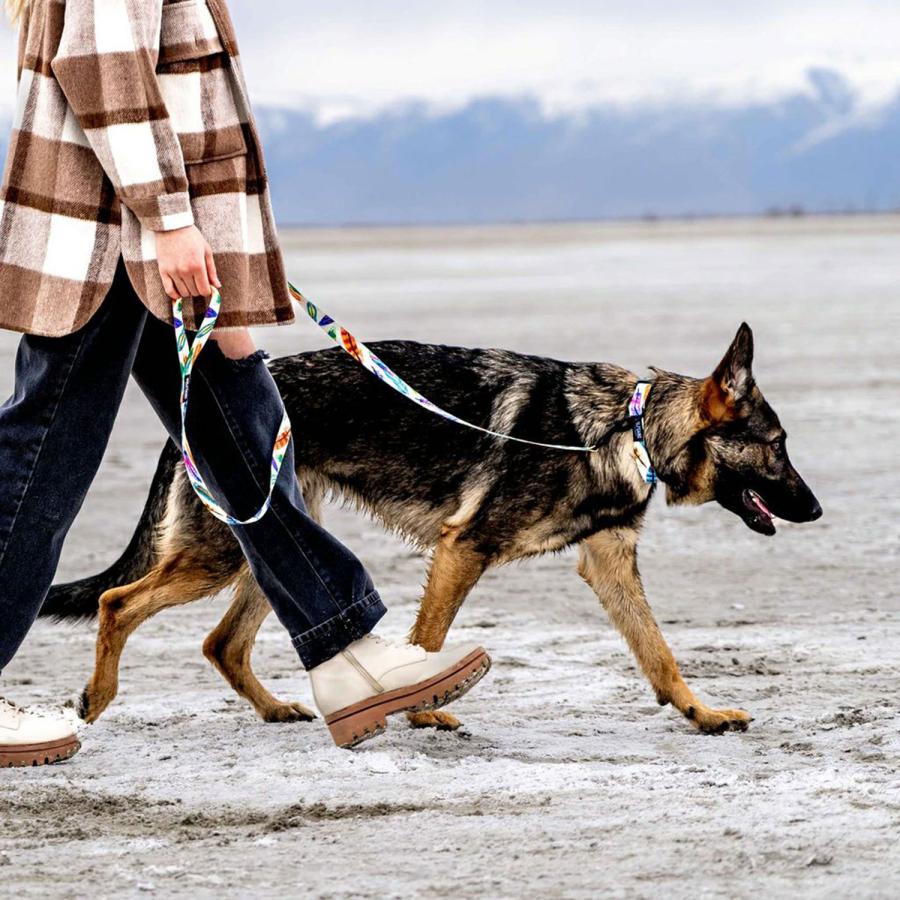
(53,433)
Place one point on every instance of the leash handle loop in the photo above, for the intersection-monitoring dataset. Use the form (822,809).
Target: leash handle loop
(187,356)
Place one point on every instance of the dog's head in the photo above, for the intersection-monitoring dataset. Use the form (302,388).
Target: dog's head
(739,457)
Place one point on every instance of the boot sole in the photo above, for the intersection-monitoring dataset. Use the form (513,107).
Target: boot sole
(39,754)
(367,719)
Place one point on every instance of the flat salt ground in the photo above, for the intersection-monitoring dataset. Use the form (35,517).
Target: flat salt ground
(567,780)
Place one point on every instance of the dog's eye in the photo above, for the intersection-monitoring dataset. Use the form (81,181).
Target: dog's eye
(777,445)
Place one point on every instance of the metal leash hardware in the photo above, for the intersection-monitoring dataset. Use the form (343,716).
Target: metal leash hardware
(187,356)
(369,361)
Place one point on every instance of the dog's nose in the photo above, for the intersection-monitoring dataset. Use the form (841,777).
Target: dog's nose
(815,511)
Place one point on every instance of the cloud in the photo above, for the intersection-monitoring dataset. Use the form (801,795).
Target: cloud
(358,57)
(353,58)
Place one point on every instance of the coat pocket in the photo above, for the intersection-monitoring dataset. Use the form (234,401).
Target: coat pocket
(197,83)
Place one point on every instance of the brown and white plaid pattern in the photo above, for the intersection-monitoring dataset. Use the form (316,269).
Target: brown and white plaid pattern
(132,117)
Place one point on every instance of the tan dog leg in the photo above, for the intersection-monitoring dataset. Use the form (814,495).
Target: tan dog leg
(455,569)
(609,565)
(178,579)
(230,646)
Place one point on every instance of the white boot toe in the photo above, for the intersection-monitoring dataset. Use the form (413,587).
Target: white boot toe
(30,737)
(372,678)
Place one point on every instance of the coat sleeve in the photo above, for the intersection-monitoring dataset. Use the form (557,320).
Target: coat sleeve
(106,68)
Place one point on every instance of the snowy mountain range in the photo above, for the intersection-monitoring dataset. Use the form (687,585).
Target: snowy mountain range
(498,159)
(506,160)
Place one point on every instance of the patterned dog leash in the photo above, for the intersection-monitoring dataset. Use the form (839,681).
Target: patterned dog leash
(188,353)
(369,361)
(187,356)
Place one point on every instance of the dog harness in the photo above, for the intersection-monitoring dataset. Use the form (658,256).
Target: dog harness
(188,353)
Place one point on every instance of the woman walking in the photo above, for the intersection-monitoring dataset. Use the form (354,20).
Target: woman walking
(135,176)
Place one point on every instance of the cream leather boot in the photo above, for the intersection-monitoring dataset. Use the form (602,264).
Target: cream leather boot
(373,678)
(32,738)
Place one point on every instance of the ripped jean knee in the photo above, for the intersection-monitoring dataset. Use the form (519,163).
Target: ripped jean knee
(235,363)
(238,363)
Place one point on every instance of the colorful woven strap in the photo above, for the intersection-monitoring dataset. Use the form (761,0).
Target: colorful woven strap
(188,353)
(187,356)
(369,361)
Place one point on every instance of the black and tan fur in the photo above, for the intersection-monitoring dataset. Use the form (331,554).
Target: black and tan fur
(472,500)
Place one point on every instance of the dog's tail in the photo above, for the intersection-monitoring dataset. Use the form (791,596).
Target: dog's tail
(81,599)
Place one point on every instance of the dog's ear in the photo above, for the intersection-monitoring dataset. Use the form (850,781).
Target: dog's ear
(732,380)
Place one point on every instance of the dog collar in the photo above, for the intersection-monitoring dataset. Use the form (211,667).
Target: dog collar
(636,407)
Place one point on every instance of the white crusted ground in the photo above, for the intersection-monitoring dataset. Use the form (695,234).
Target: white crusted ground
(567,780)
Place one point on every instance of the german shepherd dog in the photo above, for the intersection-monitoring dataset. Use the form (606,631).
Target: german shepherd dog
(472,500)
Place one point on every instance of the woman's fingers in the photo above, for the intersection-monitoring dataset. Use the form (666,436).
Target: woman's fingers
(211,272)
(201,283)
(186,263)
(185,259)
(193,283)
(169,287)
(183,288)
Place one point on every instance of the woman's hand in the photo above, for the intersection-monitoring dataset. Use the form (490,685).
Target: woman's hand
(186,263)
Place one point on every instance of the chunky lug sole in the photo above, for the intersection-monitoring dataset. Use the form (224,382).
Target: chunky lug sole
(38,754)
(367,719)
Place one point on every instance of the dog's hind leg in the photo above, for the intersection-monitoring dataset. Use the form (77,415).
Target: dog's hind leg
(609,565)
(455,569)
(314,489)
(229,648)
(180,577)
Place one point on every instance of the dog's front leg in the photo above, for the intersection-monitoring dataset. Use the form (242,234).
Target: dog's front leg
(608,564)
(455,568)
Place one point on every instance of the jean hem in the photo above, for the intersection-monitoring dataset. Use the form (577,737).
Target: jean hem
(320,643)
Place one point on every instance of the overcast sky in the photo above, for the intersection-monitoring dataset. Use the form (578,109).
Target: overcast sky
(352,57)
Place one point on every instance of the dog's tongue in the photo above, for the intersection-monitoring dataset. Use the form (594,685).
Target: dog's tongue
(757,501)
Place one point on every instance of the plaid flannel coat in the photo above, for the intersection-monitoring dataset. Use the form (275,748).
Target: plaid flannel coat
(132,117)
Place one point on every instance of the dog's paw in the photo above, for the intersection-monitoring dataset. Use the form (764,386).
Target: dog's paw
(288,712)
(83,705)
(92,702)
(437,718)
(718,721)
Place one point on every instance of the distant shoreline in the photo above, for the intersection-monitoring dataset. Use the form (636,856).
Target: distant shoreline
(788,214)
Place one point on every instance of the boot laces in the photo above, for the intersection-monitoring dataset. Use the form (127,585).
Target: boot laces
(10,707)
(35,711)
(388,643)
